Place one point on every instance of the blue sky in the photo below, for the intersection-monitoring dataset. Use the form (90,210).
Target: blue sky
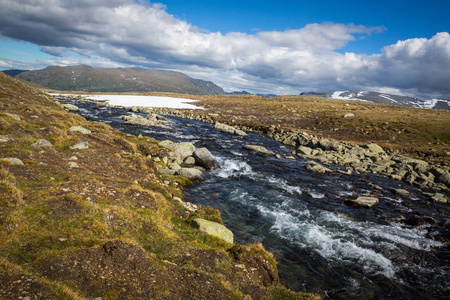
(281,47)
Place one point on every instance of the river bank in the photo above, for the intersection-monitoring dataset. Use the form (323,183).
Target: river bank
(322,243)
(84,214)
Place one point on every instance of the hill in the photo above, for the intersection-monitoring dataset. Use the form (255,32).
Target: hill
(383,98)
(140,80)
(99,221)
(13,72)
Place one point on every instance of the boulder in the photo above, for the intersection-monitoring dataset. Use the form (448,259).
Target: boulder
(191,173)
(167,144)
(190,160)
(205,159)
(440,198)
(303,150)
(363,201)
(316,168)
(229,129)
(214,229)
(70,107)
(80,129)
(12,161)
(80,146)
(400,192)
(259,150)
(42,143)
(182,150)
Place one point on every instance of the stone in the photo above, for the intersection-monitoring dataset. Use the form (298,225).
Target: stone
(80,129)
(349,115)
(70,107)
(363,201)
(182,150)
(73,165)
(259,150)
(316,168)
(191,173)
(440,198)
(205,159)
(400,192)
(229,129)
(42,143)
(214,229)
(14,116)
(303,150)
(12,161)
(167,144)
(444,178)
(224,128)
(190,160)
(167,171)
(80,146)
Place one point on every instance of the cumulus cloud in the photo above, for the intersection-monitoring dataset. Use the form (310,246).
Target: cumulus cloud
(140,33)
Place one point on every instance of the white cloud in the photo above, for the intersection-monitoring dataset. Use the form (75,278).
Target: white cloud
(126,32)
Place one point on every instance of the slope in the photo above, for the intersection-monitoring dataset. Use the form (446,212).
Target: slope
(89,79)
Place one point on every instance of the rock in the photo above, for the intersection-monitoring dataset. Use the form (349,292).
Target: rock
(14,116)
(363,201)
(42,143)
(400,192)
(444,178)
(240,132)
(174,166)
(214,229)
(80,146)
(205,159)
(73,165)
(12,161)
(182,150)
(316,168)
(6,138)
(167,171)
(134,119)
(224,127)
(440,198)
(303,150)
(190,160)
(101,104)
(349,115)
(374,148)
(229,129)
(70,107)
(191,173)
(80,129)
(167,144)
(259,150)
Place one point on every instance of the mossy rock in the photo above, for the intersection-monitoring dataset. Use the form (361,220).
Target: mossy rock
(214,229)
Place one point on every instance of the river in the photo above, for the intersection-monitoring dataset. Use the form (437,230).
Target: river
(321,244)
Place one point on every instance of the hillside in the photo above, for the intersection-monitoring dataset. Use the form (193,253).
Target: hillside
(89,79)
(84,214)
(383,98)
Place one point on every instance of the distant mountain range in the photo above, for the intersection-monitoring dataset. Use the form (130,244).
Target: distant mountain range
(247,93)
(89,79)
(383,98)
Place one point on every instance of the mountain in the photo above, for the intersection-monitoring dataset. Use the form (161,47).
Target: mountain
(383,98)
(247,93)
(89,79)
(13,72)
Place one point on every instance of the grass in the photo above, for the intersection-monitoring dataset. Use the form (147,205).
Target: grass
(50,213)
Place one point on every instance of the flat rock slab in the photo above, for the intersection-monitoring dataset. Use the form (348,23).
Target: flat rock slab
(259,150)
(214,229)
(363,201)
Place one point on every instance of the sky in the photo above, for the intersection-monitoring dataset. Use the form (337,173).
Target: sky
(278,47)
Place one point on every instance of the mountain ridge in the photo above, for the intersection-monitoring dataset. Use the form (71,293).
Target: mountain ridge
(90,79)
(383,98)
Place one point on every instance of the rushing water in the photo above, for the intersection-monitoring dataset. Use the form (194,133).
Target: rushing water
(321,244)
